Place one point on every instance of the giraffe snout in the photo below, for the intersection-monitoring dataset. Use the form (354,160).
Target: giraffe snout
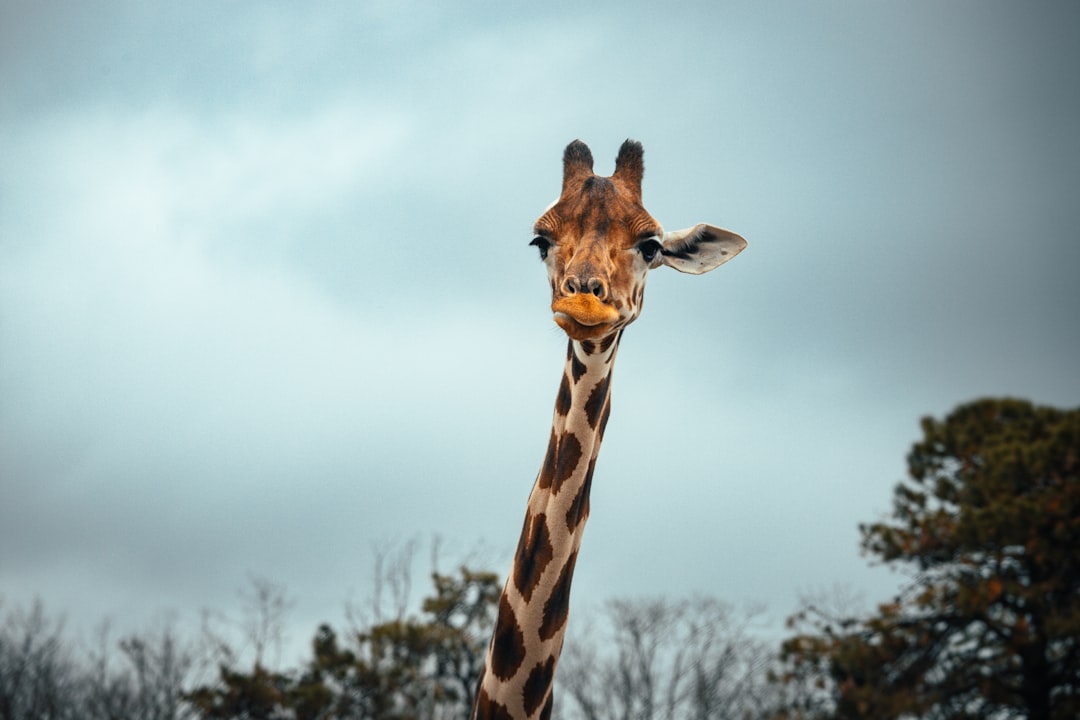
(595,286)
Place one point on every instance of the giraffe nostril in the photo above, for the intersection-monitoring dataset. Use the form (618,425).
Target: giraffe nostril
(572,285)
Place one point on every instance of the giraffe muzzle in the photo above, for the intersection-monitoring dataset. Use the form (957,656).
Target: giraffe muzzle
(584,309)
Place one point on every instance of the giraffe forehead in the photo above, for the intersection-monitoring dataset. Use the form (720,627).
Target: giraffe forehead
(599,210)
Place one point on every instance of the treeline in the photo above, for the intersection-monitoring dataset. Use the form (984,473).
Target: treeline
(44,677)
(642,659)
(986,526)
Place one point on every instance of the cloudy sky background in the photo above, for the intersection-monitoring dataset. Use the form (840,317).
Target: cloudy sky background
(266,299)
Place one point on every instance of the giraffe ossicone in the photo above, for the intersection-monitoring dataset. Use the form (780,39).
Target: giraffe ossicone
(598,243)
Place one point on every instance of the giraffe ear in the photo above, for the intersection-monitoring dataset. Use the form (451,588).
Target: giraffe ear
(701,248)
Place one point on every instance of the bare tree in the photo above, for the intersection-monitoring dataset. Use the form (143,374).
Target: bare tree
(148,682)
(43,677)
(159,668)
(266,606)
(675,660)
(38,678)
(393,574)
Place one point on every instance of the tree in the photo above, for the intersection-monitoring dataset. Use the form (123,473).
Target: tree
(671,659)
(462,615)
(266,606)
(148,686)
(402,668)
(989,522)
(38,678)
(43,678)
(424,667)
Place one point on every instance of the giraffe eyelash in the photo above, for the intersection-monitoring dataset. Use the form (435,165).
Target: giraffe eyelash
(542,244)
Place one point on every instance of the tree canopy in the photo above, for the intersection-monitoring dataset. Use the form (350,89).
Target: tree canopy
(988,522)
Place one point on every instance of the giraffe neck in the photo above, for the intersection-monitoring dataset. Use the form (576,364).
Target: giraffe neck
(520,666)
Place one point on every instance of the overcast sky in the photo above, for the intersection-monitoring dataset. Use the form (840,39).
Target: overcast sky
(266,298)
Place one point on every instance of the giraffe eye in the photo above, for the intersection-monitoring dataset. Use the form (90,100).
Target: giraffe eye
(649,249)
(542,244)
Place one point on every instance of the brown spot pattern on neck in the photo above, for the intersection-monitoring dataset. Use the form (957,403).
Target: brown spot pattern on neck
(597,400)
(577,368)
(538,685)
(567,458)
(533,554)
(562,399)
(507,643)
(557,607)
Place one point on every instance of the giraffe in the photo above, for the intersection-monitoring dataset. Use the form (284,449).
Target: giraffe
(598,243)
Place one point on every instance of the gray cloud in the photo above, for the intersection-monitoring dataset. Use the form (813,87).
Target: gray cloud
(265,295)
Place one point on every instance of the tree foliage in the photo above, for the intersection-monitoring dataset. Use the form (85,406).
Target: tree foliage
(989,524)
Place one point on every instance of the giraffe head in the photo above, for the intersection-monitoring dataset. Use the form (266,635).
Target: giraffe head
(599,242)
